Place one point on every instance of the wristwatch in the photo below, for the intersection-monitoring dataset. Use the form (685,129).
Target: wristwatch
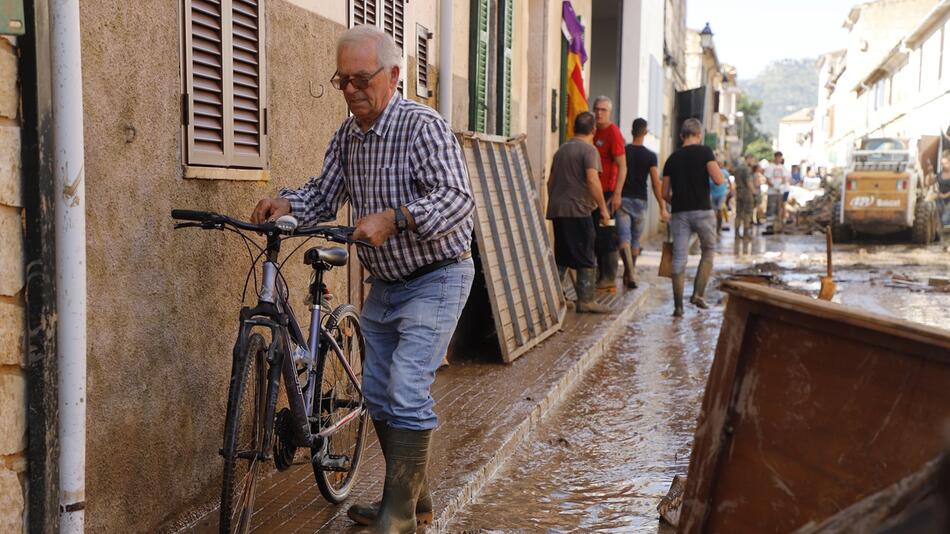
(402,224)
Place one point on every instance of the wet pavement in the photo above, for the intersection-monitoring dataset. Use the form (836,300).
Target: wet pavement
(607,454)
(486,410)
(522,450)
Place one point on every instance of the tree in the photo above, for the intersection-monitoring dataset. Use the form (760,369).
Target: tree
(754,140)
(760,148)
(751,120)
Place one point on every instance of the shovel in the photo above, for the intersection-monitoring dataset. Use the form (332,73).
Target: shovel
(828,288)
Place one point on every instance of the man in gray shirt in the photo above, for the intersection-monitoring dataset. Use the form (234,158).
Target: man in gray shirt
(574,192)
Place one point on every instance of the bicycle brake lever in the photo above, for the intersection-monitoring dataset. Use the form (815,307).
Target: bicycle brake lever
(187,225)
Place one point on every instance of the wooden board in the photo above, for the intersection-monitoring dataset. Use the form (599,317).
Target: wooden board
(516,255)
(810,406)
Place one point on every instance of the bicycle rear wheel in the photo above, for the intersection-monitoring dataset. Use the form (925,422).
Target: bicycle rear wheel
(337,400)
(243,436)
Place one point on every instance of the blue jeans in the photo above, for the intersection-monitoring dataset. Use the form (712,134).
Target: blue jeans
(685,223)
(407,327)
(631,219)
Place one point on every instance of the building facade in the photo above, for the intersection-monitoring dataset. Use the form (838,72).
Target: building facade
(186,106)
(795,137)
(890,81)
(13,376)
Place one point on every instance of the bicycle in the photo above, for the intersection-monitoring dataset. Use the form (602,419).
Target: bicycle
(326,413)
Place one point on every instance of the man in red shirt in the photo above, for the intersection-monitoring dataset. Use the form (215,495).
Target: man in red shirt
(613,160)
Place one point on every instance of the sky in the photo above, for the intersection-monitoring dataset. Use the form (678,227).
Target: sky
(751,33)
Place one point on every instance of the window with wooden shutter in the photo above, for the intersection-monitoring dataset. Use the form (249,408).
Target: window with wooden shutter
(423,36)
(391,20)
(363,12)
(505,26)
(478,75)
(224,106)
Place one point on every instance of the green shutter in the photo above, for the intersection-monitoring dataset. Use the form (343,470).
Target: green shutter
(478,71)
(505,25)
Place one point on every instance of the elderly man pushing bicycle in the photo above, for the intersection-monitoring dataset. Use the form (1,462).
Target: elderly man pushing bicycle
(402,169)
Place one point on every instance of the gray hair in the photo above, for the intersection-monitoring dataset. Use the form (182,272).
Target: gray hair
(603,98)
(387,53)
(691,127)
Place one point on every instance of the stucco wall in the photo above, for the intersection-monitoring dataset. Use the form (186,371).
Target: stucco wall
(163,304)
(12,314)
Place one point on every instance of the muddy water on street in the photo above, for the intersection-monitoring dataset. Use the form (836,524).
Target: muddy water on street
(609,452)
(603,459)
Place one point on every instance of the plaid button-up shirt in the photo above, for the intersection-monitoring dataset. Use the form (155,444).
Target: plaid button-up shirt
(409,158)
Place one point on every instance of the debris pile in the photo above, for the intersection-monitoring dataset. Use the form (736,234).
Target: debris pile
(931,285)
(812,215)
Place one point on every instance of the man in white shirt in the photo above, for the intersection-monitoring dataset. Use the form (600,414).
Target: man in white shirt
(778,178)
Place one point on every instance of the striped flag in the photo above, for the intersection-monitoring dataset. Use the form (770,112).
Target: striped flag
(576,57)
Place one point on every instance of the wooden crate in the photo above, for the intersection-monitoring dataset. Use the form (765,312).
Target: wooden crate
(810,406)
(516,255)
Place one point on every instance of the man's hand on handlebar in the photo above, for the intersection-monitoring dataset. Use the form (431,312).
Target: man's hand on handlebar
(376,228)
(269,209)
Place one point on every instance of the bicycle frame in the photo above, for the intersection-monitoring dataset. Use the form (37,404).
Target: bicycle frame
(273,311)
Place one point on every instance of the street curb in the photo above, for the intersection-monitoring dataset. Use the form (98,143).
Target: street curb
(477,481)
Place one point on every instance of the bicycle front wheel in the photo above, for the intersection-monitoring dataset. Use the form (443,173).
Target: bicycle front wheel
(244,436)
(339,400)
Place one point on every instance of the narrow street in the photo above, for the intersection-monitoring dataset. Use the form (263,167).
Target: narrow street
(607,454)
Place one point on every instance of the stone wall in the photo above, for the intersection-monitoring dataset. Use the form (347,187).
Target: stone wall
(12,314)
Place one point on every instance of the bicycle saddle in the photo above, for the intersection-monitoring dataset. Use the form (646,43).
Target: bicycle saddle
(330,255)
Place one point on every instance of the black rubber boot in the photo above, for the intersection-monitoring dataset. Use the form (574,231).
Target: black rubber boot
(679,280)
(629,267)
(702,279)
(607,270)
(585,293)
(365,514)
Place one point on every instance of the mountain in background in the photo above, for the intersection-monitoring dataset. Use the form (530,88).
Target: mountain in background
(784,87)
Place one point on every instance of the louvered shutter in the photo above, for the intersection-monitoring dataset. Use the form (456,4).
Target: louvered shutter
(422,61)
(393,23)
(363,12)
(505,26)
(204,108)
(248,114)
(478,82)
(225,104)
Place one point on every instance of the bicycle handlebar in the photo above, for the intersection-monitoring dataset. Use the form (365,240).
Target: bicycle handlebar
(211,220)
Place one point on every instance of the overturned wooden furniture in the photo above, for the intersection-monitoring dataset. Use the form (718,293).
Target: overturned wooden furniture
(918,504)
(810,407)
(512,242)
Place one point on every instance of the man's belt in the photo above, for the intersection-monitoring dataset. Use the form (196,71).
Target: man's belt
(426,269)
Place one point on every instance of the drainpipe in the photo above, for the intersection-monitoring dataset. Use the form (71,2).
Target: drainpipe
(445,60)
(69,192)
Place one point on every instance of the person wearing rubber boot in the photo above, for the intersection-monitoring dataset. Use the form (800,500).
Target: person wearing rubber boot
(573,193)
(686,177)
(745,197)
(613,162)
(401,168)
(632,215)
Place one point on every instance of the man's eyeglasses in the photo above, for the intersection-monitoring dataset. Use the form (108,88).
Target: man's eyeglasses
(359,81)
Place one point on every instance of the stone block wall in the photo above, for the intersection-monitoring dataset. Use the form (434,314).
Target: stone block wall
(13,403)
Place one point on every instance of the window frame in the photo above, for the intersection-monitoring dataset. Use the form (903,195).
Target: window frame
(193,158)
(422,61)
(380,22)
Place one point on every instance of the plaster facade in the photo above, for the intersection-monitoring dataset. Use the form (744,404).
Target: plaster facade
(795,132)
(874,29)
(163,304)
(13,382)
